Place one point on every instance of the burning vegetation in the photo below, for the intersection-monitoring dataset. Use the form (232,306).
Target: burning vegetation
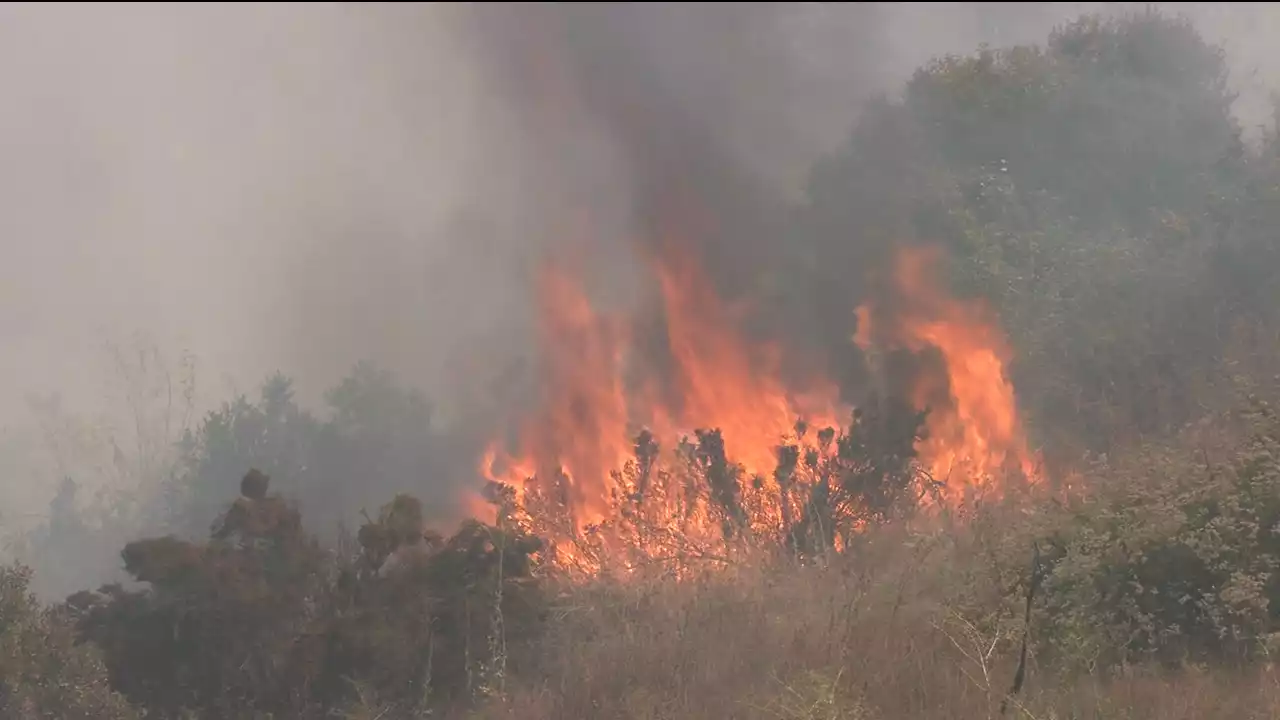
(974,438)
(621,465)
(1097,202)
(705,437)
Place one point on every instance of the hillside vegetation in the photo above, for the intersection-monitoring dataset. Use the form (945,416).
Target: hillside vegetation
(1095,190)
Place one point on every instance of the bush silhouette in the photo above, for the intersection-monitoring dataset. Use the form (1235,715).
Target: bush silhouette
(260,621)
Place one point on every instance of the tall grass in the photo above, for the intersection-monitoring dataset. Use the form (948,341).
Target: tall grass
(909,625)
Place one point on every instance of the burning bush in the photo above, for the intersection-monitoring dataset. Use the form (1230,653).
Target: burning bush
(771,462)
(693,504)
(1089,190)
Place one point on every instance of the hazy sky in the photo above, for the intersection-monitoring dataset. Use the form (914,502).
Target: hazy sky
(298,186)
(173,169)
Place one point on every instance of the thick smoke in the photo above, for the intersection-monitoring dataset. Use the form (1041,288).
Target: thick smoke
(656,115)
(650,128)
(288,187)
(689,126)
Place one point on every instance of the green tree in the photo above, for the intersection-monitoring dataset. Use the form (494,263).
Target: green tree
(273,434)
(375,438)
(1089,188)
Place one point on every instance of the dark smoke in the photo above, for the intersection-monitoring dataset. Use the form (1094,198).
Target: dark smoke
(668,124)
(278,187)
(679,105)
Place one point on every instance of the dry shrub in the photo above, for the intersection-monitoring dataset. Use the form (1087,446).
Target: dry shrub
(913,623)
(766,640)
(1190,693)
(44,673)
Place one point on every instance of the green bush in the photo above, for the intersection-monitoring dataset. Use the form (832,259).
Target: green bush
(1167,556)
(260,622)
(44,673)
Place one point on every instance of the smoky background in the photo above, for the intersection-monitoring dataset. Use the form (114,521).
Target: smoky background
(285,187)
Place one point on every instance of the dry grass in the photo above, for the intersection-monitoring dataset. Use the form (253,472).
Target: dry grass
(898,629)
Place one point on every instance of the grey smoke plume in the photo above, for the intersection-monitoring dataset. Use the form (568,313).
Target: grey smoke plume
(689,123)
(296,187)
(666,124)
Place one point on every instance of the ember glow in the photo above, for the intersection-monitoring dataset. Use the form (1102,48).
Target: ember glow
(617,459)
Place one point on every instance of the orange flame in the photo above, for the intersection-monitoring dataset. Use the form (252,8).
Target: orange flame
(722,383)
(578,453)
(974,434)
(581,434)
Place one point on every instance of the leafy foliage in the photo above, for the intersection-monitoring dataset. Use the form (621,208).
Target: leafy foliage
(274,434)
(1096,190)
(1173,560)
(1090,188)
(376,430)
(43,672)
(260,622)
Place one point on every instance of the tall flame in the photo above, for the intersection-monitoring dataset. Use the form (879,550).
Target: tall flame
(580,435)
(580,452)
(723,382)
(594,404)
(974,434)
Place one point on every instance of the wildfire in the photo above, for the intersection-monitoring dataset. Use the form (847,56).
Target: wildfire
(725,384)
(596,461)
(974,434)
(579,454)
